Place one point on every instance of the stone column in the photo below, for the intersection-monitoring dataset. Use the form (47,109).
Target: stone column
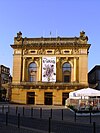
(40,69)
(23,76)
(75,68)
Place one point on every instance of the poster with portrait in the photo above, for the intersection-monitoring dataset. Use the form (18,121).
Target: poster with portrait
(48,69)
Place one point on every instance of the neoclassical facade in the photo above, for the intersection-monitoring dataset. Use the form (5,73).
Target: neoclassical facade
(45,70)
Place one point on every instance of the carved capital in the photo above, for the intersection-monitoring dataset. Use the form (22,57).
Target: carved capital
(58,59)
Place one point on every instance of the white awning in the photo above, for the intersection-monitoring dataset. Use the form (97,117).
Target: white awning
(84,92)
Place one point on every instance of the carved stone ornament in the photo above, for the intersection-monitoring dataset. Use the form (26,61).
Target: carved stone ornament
(57,51)
(41,51)
(75,51)
(63,59)
(19,36)
(25,51)
(83,38)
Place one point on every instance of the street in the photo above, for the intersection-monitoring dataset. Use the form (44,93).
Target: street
(48,119)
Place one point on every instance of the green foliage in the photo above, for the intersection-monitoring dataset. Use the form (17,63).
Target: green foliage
(71,107)
(91,107)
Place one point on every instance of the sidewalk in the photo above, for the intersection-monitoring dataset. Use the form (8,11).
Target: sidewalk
(14,129)
(38,121)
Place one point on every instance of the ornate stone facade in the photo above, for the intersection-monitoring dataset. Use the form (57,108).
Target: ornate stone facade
(71,68)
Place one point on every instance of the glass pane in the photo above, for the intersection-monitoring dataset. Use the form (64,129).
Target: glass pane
(66,67)
(66,78)
(32,65)
(32,72)
(32,78)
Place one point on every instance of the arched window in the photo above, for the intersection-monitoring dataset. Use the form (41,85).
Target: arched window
(32,72)
(66,72)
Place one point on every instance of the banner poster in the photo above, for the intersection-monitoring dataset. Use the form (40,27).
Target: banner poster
(48,69)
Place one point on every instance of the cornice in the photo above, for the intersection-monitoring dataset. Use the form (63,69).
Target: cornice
(51,42)
(50,45)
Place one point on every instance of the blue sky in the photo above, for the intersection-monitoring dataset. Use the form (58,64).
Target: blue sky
(36,18)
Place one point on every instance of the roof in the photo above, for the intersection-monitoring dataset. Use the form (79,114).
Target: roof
(97,67)
(69,42)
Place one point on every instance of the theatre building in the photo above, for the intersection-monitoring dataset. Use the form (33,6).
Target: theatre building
(45,70)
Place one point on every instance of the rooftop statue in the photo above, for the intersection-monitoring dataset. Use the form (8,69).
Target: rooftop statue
(19,34)
(18,39)
(83,38)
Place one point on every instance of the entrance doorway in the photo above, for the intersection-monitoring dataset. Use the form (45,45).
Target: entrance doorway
(65,95)
(30,97)
(48,98)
